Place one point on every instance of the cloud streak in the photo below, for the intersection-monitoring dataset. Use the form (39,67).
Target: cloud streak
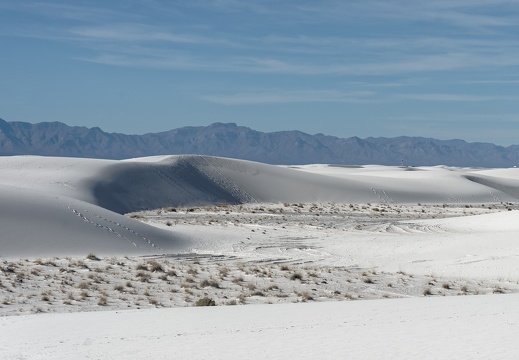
(292,96)
(455,97)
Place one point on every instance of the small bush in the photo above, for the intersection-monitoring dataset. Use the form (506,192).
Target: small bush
(153,302)
(103,301)
(238,280)
(206,283)
(205,302)
(172,273)
(296,276)
(92,257)
(155,267)
(142,267)
(224,271)
(83,285)
(143,276)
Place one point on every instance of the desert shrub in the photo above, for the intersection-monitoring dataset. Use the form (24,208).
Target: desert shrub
(172,273)
(103,301)
(223,271)
(205,302)
(83,285)
(153,302)
(296,276)
(306,296)
(142,267)
(143,276)
(237,280)
(206,283)
(93,257)
(155,267)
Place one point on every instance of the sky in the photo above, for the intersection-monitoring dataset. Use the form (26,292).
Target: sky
(446,69)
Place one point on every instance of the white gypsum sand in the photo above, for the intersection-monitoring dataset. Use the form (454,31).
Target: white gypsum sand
(239,232)
(455,327)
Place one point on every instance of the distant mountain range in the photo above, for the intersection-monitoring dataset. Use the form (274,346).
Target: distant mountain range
(230,140)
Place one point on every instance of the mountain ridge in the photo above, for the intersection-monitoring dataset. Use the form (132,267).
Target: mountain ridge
(234,141)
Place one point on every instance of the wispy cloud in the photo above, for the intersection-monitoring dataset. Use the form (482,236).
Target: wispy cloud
(294,96)
(492,81)
(455,97)
(141,33)
(59,10)
(463,119)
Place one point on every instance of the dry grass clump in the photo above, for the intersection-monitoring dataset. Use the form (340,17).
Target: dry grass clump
(213,283)
(205,301)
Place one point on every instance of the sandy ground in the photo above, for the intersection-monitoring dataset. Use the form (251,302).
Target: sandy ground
(268,254)
(455,327)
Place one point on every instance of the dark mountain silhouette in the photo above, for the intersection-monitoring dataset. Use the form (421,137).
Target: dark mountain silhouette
(230,140)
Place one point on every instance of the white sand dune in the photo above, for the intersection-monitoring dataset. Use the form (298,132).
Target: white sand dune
(66,205)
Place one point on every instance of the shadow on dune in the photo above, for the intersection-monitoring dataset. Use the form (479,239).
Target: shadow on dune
(135,186)
(507,186)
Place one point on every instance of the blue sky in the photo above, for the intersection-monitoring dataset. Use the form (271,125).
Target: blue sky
(444,69)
